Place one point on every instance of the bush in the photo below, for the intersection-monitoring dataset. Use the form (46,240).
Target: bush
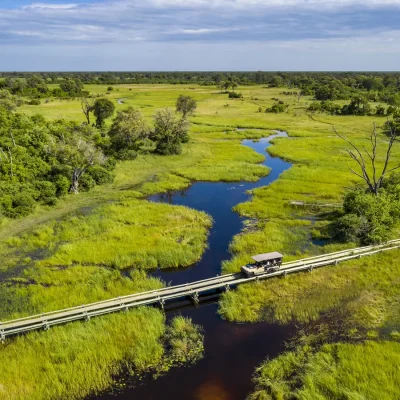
(127,155)
(62,184)
(47,192)
(100,175)
(20,205)
(277,108)
(110,163)
(370,218)
(34,102)
(351,227)
(165,148)
(234,95)
(185,340)
(86,183)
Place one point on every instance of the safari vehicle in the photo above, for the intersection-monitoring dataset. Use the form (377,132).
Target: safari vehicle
(264,263)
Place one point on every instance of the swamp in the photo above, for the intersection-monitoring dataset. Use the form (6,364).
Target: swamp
(230,177)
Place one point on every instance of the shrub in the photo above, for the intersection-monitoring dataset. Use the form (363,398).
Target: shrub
(127,155)
(62,184)
(21,205)
(110,163)
(86,183)
(47,192)
(351,227)
(34,102)
(370,218)
(277,108)
(165,148)
(185,340)
(234,95)
(100,175)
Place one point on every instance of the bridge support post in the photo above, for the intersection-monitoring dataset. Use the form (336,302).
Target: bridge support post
(227,288)
(310,268)
(161,302)
(2,336)
(86,316)
(195,298)
(46,326)
(125,307)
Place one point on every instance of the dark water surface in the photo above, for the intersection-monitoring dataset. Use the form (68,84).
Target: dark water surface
(217,199)
(232,351)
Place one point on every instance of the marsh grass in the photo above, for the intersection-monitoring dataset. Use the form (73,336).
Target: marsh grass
(305,297)
(336,371)
(65,256)
(76,360)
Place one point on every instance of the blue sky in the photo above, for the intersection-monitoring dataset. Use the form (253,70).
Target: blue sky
(199,35)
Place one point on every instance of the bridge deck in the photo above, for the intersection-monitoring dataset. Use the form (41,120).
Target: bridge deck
(192,290)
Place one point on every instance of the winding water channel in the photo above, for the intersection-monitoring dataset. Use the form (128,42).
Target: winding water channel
(232,351)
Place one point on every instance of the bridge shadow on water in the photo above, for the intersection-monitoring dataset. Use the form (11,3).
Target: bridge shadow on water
(232,351)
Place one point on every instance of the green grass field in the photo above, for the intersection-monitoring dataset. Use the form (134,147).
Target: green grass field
(74,252)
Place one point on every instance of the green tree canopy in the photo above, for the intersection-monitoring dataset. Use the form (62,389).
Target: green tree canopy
(103,109)
(186,105)
(169,132)
(128,129)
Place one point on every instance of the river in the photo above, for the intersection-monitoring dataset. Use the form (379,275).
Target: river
(232,351)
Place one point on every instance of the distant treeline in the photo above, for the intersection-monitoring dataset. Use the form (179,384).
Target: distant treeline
(376,86)
(366,80)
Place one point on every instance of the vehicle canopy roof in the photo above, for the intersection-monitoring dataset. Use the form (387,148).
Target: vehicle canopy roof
(267,256)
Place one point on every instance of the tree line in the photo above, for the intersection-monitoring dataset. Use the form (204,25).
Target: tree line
(41,160)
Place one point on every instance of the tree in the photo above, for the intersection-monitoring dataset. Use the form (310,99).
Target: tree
(186,105)
(71,86)
(358,106)
(373,180)
(80,154)
(223,86)
(169,132)
(37,82)
(127,129)
(87,106)
(103,109)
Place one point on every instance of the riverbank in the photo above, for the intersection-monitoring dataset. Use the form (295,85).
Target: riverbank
(77,259)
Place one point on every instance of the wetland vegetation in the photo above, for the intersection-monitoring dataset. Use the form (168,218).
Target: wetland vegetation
(101,243)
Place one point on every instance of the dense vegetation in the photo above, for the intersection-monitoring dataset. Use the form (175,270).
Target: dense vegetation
(44,160)
(368,218)
(72,253)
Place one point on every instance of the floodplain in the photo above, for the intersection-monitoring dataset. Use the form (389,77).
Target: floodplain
(106,242)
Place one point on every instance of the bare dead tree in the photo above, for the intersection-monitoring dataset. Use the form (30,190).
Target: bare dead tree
(375,180)
(87,107)
(12,137)
(11,162)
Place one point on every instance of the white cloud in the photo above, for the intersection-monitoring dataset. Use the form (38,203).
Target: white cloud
(50,6)
(320,4)
(201,31)
(310,25)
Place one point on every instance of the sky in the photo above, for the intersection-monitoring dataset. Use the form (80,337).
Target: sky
(200,35)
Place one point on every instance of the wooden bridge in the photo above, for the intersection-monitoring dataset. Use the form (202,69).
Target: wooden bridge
(193,291)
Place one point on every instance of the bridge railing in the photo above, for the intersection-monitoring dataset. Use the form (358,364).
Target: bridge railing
(193,289)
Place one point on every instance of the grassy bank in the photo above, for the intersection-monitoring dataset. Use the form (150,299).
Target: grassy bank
(73,254)
(81,359)
(341,371)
